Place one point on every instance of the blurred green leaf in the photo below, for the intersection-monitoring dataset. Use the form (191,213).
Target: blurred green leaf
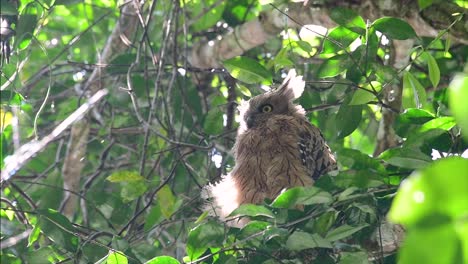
(302,196)
(394,28)
(354,257)
(166,201)
(213,123)
(207,12)
(154,217)
(252,210)
(116,257)
(34,235)
(436,245)
(163,260)
(359,178)
(334,66)
(458,93)
(203,236)
(406,158)
(67,2)
(363,96)
(343,231)
(58,228)
(424,3)
(348,119)
(8,8)
(11,98)
(301,240)
(125,176)
(414,94)
(248,70)
(349,19)
(434,72)
(338,39)
(27,22)
(132,183)
(441,188)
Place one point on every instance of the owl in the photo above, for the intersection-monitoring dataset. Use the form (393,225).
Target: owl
(276,148)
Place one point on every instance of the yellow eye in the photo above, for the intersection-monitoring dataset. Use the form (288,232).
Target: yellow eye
(266,108)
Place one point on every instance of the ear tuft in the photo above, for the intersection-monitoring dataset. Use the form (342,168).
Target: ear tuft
(292,86)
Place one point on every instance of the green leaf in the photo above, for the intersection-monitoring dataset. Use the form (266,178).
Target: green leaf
(34,235)
(343,231)
(116,257)
(334,66)
(355,159)
(250,232)
(444,123)
(441,188)
(338,39)
(443,242)
(363,96)
(208,12)
(11,98)
(154,217)
(125,176)
(360,178)
(394,28)
(203,236)
(27,22)
(458,93)
(252,210)
(349,19)
(415,116)
(133,185)
(354,257)
(414,95)
(348,119)
(57,227)
(303,196)
(434,72)
(429,131)
(163,260)
(213,123)
(424,3)
(301,240)
(166,201)
(67,2)
(406,158)
(248,70)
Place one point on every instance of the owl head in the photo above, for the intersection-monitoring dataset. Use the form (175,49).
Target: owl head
(260,108)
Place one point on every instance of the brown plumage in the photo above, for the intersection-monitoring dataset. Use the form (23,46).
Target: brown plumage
(276,148)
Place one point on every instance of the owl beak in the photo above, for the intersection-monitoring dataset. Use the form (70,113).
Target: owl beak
(249,121)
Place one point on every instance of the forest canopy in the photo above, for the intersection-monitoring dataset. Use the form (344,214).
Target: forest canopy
(116,114)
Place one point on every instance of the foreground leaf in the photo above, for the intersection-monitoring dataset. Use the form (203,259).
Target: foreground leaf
(441,188)
(458,93)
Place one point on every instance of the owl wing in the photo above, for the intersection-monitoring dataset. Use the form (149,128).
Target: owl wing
(315,154)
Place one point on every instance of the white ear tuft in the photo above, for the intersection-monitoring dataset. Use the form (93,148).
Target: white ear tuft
(292,86)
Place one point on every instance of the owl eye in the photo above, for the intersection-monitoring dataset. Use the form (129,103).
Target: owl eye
(266,108)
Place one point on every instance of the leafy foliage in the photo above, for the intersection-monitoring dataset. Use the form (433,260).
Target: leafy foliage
(166,128)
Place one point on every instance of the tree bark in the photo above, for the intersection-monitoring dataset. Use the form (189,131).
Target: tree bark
(118,42)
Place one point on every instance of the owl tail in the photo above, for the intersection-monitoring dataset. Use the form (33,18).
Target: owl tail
(223,200)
